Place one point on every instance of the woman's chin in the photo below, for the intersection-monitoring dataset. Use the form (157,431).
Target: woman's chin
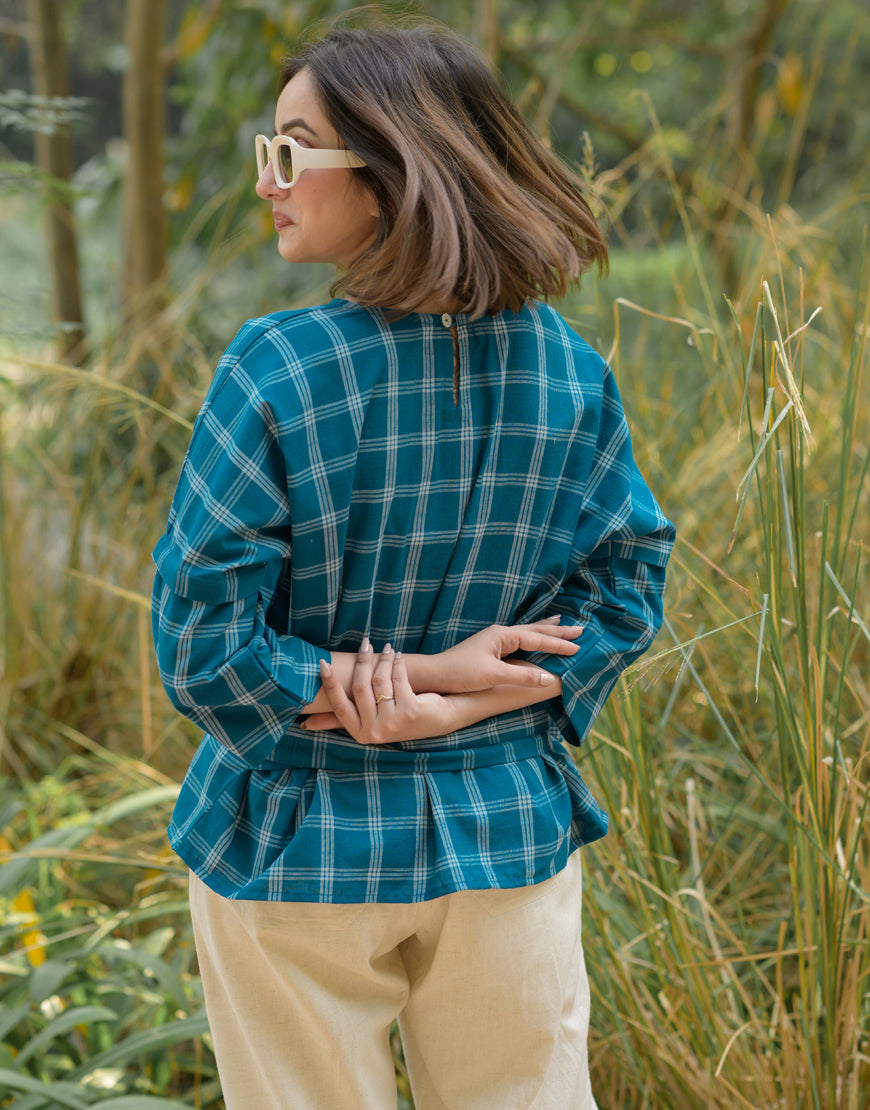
(287,251)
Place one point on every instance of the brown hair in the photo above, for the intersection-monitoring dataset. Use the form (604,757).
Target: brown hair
(474,210)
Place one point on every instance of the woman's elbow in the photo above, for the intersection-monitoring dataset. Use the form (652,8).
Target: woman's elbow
(190,684)
(184,691)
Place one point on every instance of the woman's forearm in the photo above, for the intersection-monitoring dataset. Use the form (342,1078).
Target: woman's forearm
(479,705)
(422,675)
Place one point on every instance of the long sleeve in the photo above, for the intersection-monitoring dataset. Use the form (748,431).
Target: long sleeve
(617,580)
(219,566)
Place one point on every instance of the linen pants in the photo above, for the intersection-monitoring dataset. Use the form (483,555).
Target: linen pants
(489,988)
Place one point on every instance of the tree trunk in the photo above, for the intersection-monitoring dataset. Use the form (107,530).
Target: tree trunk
(486,29)
(54,158)
(755,50)
(144,217)
(758,45)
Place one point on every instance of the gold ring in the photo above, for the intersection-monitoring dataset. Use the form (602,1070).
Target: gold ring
(383,697)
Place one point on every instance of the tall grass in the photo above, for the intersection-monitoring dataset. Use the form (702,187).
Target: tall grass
(727,911)
(729,908)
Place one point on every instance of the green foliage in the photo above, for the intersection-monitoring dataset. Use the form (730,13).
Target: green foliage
(100,1005)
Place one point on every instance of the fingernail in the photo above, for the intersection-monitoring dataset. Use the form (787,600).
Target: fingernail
(366,644)
(554,620)
(303,724)
(388,650)
(545,678)
(325,669)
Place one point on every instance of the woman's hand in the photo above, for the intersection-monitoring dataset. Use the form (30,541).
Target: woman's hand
(479,663)
(384,709)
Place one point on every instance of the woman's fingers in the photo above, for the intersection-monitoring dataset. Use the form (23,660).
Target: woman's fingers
(547,636)
(369,714)
(320,722)
(384,708)
(342,706)
(520,674)
(402,692)
(361,683)
(382,678)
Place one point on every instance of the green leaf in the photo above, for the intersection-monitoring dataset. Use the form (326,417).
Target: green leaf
(10,1017)
(170,982)
(23,866)
(56,1094)
(69,1019)
(142,1102)
(46,979)
(135,803)
(144,1043)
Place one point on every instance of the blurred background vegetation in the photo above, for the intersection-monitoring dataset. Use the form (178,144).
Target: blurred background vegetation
(727,911)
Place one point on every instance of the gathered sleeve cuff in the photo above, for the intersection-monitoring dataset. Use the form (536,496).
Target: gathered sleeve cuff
(226,670)
(621,613)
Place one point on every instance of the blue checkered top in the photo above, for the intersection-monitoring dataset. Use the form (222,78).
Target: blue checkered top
(338,485)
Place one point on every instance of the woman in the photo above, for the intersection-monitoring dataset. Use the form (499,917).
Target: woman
(434,464)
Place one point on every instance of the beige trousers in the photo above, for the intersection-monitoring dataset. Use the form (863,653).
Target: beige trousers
(489,988)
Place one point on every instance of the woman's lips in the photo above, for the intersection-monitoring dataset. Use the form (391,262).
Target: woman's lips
(281,221)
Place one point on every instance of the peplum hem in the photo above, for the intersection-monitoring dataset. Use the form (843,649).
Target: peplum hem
(315,834)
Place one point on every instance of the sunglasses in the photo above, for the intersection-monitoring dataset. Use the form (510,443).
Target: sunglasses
(289,159)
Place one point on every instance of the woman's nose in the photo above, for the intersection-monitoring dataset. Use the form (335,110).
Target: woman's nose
(266,186)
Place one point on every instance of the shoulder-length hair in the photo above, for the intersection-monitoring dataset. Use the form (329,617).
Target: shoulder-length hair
(475,212)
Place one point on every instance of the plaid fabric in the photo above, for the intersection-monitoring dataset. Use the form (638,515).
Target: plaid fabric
(335,489)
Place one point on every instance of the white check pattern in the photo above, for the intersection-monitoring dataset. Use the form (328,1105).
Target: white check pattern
(334,490)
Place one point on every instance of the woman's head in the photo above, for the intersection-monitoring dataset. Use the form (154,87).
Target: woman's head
(327,215)
(474,212)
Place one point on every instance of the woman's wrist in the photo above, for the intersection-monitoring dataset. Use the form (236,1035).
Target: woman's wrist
(425,674)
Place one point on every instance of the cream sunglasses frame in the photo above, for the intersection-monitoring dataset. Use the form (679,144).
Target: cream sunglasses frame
(301,158)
